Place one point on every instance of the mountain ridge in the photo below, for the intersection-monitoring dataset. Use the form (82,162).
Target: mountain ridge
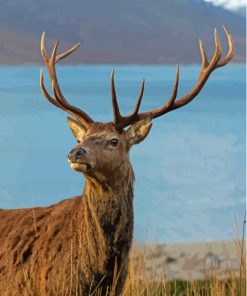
(127,32)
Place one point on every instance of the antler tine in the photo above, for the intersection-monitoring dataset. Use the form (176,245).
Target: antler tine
(45,92)
(60,98)
(68,52)
(115,107)
(172,99)
(206,70)
(203,54)
(60,101)
(175,90)
(230,53)
(54,53)
(139,99)
(43,48)
(217,52)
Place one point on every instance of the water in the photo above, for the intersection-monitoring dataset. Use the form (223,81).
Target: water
(190,171)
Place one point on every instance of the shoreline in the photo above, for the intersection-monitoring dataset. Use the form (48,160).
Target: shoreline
(187,261)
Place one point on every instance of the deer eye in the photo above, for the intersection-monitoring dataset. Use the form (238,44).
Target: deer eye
(114,142)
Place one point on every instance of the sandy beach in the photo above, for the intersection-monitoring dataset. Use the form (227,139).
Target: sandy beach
(187,261)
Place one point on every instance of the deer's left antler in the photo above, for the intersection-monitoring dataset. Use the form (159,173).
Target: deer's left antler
(174,103)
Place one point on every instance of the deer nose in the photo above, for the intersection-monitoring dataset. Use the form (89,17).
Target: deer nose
(75,154)
(80,152)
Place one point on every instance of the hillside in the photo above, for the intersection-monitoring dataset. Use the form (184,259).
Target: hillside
(130,31)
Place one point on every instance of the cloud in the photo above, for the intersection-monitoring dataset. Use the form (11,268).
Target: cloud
(229,4)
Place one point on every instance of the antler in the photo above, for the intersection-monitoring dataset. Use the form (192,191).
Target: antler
(173,103)
(59,99)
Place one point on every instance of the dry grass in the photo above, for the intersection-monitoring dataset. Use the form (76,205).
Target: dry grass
(139,284)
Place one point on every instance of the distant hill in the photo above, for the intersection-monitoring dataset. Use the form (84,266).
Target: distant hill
(127,31)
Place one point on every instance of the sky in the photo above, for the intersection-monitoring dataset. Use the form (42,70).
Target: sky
(229,4)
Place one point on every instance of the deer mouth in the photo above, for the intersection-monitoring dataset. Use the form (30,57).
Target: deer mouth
(81,167)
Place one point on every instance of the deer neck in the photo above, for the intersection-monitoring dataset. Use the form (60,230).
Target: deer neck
(110,197)
(107,219)
(108,204)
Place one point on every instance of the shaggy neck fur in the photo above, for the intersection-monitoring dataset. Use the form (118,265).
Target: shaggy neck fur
(107,214)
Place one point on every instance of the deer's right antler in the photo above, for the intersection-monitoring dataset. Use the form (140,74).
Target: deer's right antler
(59,99)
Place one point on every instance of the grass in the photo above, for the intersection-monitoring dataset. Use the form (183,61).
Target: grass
(187,288)
(207,287)
(230,282)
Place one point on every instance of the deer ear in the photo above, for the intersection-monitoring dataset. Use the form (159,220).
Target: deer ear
(138,131)
(77,128)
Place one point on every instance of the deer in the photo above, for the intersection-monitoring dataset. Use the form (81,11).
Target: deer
(81,245)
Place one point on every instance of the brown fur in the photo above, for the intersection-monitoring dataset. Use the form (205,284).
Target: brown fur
(75,246)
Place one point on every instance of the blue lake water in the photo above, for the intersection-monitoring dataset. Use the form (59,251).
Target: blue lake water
(190,171)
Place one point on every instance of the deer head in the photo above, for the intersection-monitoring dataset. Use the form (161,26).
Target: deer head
(102,147)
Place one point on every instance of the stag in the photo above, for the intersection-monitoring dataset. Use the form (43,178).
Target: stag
(80,246)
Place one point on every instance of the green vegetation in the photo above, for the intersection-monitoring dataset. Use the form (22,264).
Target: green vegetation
(207,287)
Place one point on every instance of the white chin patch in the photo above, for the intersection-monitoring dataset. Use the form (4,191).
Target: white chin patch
(79,167)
